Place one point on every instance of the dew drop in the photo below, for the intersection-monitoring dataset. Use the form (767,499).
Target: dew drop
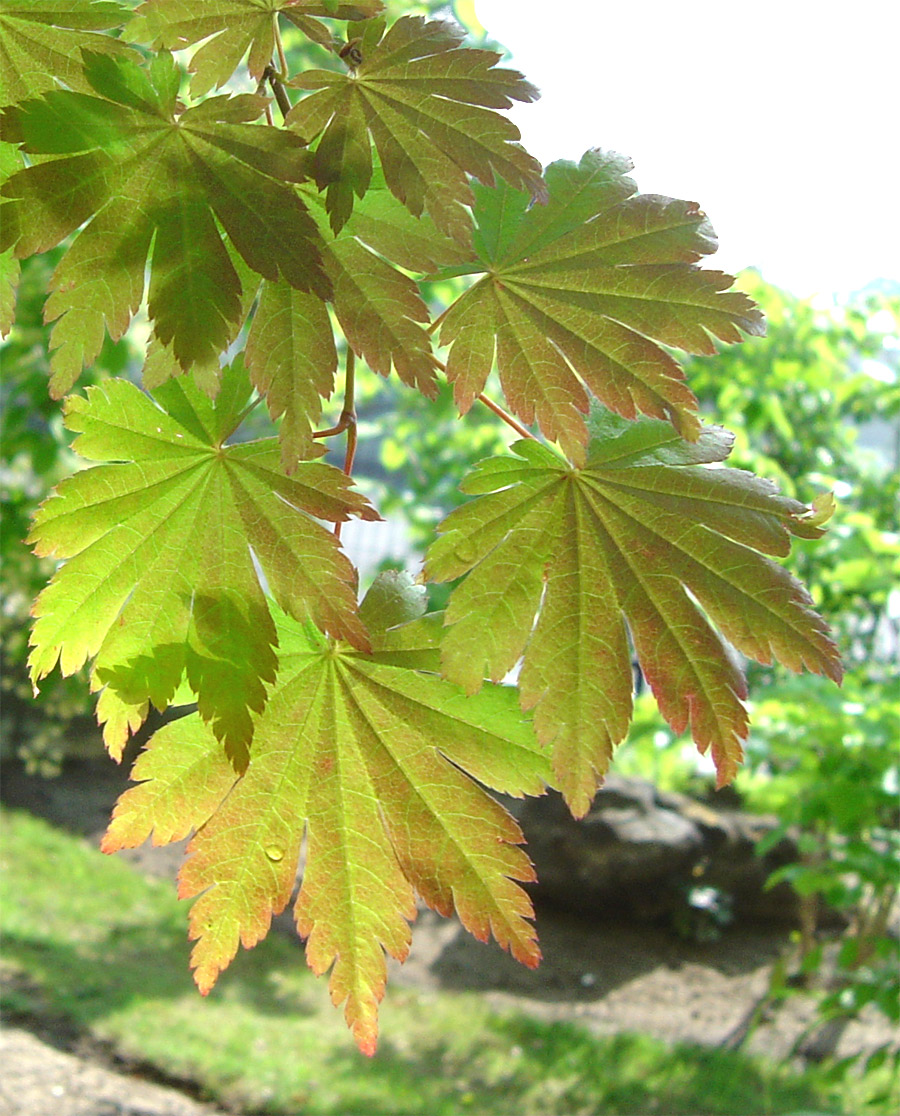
(274,852)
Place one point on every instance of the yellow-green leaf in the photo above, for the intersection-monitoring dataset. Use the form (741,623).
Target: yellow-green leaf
(234,29)
(159,580)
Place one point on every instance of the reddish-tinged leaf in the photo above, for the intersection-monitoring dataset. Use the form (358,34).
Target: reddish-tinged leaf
(182,775)
(580,296)
(427,105)
(367,758)
(646,535)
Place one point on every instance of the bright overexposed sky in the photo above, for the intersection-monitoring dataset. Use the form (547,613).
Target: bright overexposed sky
(780,117)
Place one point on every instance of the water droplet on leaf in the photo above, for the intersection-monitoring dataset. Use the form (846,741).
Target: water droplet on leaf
(274,852)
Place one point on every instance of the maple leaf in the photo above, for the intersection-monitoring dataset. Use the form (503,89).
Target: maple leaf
(584,292)
(10,162)
(380,311)
(119,154)
(234,28)
(643,534)
(40,42)
(160,578)
(291,358)
(427,104)
(383,223)
(369,755)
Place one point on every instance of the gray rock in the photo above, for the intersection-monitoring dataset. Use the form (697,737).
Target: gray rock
(639,851)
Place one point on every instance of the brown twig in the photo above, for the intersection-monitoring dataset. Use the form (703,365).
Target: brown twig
(497,409)
(348,418)
(271,75)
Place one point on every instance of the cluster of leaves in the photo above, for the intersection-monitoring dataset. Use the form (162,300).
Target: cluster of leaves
(196,567)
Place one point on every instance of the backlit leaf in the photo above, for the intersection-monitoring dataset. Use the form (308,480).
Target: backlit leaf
(385,224)
(160,579)
(583,293)
(41,43)
(380,311)
(645,535)
(10,162)
(427,105)
(234,28)
(291,357)
(371,761)
(120,153)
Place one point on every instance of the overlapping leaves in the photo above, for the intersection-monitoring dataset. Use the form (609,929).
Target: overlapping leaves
(160,579)
(583,293)
(290,349)
(645,536)
(41,40)
(366,755)
(428,106)
(235,28)
(141,171)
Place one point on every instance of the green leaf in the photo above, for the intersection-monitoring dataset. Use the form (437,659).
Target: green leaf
(371,761)
(10,162)
(160,579)
(387,226)
(292,360)
(380,310)
(644,535)
(119,155)
(41,43)
(234,28)
(581,295)
(427,105)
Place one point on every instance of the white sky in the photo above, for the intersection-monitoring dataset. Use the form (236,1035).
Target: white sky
(780,117)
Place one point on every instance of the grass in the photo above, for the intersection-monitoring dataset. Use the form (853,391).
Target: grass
(88,939)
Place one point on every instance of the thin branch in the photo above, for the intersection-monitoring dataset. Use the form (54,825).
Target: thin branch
(496,408)
(279,46)
(342,424)
(506,416)
(437,321)
(348,418)
(284,103)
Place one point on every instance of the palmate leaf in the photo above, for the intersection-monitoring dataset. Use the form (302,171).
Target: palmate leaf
(369,757)
(235,28)
(290,349)
(40,41)
(160,579)
(644,534)
(139,173)
(427,105)
(585,292)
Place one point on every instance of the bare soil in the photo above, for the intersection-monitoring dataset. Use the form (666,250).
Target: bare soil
(607,975)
